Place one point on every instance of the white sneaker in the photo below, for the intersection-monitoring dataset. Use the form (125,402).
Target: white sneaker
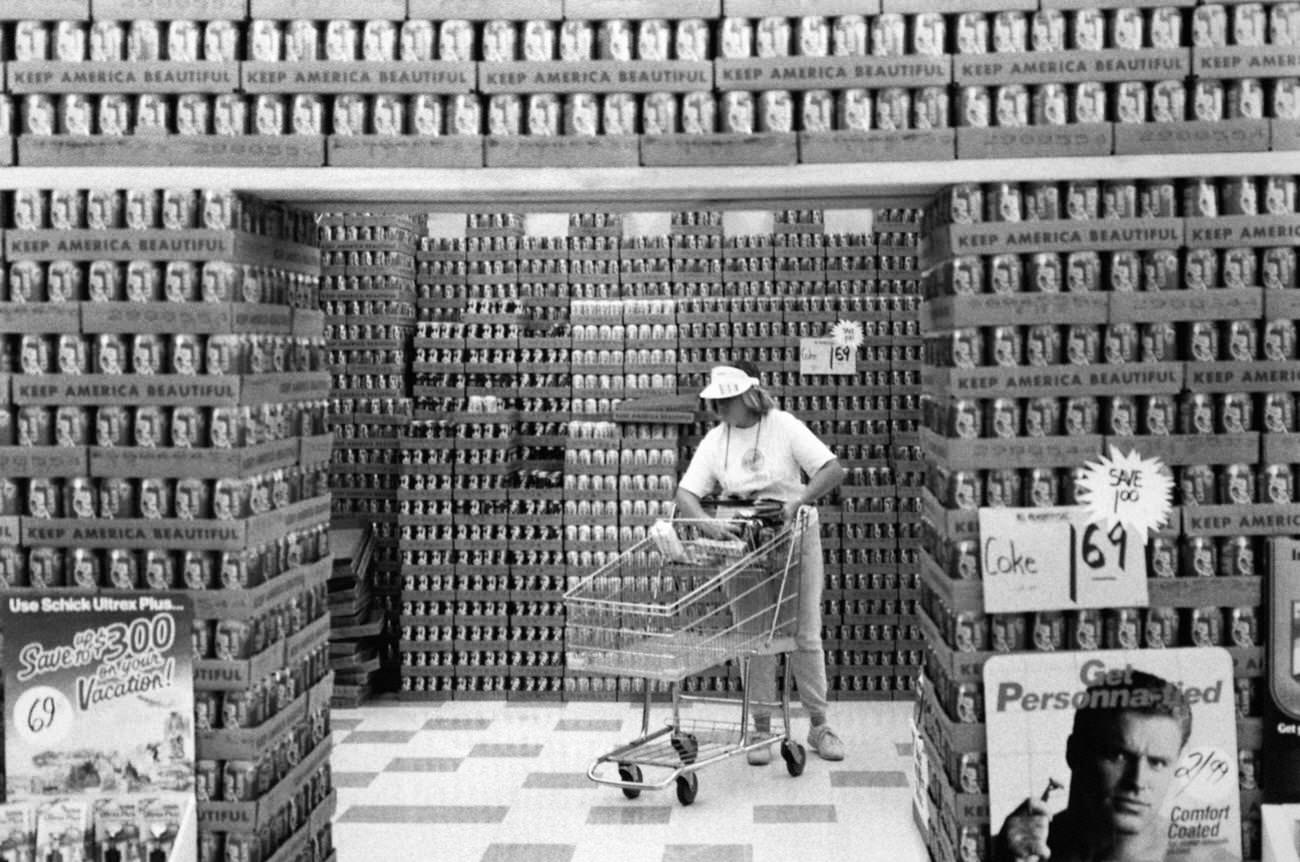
(823,740)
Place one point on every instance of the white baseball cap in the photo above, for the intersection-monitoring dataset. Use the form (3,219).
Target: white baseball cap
(727,382)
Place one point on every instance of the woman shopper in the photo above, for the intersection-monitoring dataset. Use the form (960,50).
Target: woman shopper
(758,451)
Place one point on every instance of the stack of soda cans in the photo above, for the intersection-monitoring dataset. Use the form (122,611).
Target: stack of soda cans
(170,399)
(369,265)
(1166,364)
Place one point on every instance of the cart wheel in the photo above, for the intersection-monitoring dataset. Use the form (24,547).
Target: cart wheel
(687,786)
(630,772)
(686,746)
(795,757)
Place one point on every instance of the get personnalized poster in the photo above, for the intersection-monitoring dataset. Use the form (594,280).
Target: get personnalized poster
(99,694)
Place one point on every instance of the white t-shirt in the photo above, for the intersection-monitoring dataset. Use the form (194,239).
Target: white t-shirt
(766,460)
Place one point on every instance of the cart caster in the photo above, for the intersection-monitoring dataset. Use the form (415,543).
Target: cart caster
(630,772)
(794,756)
(687,786)
(686,746)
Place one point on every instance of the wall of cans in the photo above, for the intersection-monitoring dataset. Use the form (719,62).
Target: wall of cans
(162,426)
(368,297)
(1165,309)
(416,76)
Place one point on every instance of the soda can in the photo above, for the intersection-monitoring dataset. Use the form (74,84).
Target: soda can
(1042,417)
(738,112)
(218,281)
(1041,201)
(966,276)
(266,40)
(388,114)
(193,114)
(1199,559)
(577,41)
(1002,488)
(1004,344)
(1284,24)
(1123,629)
(31,211)
(929,34)
(351,114)
(1166,28)
(816,111)
(974,842)
(465,115)
(1168,101)
(654,39)
(1159,415)
(1050,105)
(72,355)
(1121,416)
(1004,418)
(1279,412)
(1279,339)
(1048,628)
(64,281)
(1044,487)
(159,570)
(1243,340)
(699,113)
(192,500)
(1003,202)
(122,570)
(1159,269)
(1244,621)
(270,114)
(1131,102)
(1047,30)
(972,29)
(693,37)
(149,427)
(116,496)
(143,281)
(36,354)
(1207,100)
(1238,196)
(1244,701)
(1008,633)
(543,114)
(854,109)
(970,631)
(1085,629)
(180,209)
(1203,341)
(1011,105)
(1043,344)
(181,281)
(1236,484)
(79,497)
(379,41)
(1162,557)
(1161,628)
(1278,269)
(189,427)
(27,282)
(962,204)
(776,112)
(930,108)
(539,41)
(614,40)
(1120,343)
(1082,200)
(964,418)
(197,570)
(1123,271)
(889,35)
(972,768)
(230,114)
(974,107)
(456,40)
(342,40)
(1010,32)
(106,42)
(1127,29)
(221,41)
(1044,275)
(1083,271)
(13,567)
(230,499)
(76,114)
(1206,623)
(967,347)
(1082,415)
(1087,30)
(45,568)
(416,41)
(144,42)
(239,784)
(1200,269)
(1249,24)
(1244,99)
(1236,558)
(31,41)
(183,40)
(38,114)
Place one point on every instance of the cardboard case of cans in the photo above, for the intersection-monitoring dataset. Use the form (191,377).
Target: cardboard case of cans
(165,430)
(1178,348)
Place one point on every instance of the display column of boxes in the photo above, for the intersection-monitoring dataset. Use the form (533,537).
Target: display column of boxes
(1186,368)
(897,234)
(355,623)
(164,429)
(370,303)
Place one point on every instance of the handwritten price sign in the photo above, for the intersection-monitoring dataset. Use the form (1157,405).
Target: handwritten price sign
(1056,559)
(825,356)
(42,715)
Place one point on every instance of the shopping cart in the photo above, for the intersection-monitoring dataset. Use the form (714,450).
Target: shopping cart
(676,604)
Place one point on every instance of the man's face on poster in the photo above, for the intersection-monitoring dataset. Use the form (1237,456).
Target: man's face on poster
(1126,774)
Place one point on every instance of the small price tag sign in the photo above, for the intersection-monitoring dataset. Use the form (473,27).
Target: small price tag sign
(1056,559)
(825,356)
(1127,489)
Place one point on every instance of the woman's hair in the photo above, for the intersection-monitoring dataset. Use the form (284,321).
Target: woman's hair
(756,398)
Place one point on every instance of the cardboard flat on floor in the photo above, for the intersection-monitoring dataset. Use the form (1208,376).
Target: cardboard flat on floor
(1054,67)
(168,10)
(1224,136)
(451,151)
(1240,61)
(807,73)
(911,145)
(138,151)
(1070,141)
(486,10)
(157,76)
(719,150)
(325,76)
(572,151)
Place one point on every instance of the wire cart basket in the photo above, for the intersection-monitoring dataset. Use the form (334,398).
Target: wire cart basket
(676,604)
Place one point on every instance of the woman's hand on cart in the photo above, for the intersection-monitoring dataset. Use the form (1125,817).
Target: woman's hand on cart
(790,510)
(721,529)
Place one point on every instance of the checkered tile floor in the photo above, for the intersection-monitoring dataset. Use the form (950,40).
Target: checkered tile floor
(491,781)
